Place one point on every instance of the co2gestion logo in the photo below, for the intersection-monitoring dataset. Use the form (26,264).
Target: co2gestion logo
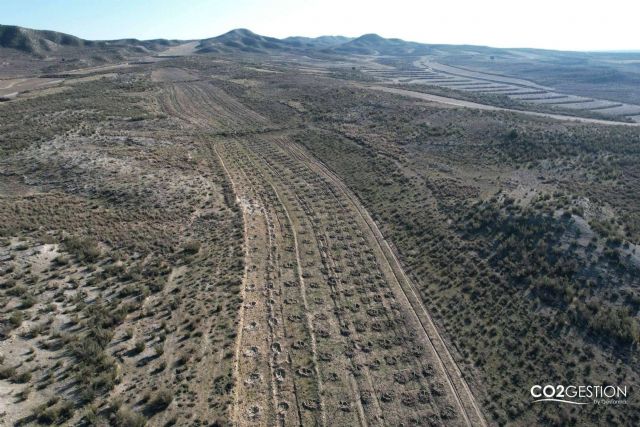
(580,394)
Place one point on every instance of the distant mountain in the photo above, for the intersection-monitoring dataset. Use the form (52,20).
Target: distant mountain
(241,40)
(45,43)
(52,44)
(37,41)
(247,41)
(16,40)
(321,42)
(373,44)
(244,40)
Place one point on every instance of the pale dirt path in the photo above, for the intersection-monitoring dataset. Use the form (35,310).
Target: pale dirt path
(236,360)
(463,395)
(183,49)
(314,351)
(352,382)
(469,104)
(478,75)
(12,83)
(14,87)
(246,186)
(204,107)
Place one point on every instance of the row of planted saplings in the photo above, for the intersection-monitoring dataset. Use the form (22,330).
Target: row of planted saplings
(301,348)
(406,356)
(388,344)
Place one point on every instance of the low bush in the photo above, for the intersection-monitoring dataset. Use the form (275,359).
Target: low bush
(125,417)
(160,401)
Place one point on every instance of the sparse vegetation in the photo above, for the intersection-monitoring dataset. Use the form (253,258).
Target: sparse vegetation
(89,289)
(126,417)
(187,242)
(510,266)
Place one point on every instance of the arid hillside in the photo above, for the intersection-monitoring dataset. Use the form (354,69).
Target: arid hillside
(229,232)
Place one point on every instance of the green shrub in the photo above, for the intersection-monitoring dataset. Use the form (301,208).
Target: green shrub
(54,412)
(139,347)
(22,377)
(191,247)
(158,349)
(125,417)
(85,249)
(16,319)
(61,260)
(160,401)
(7,372)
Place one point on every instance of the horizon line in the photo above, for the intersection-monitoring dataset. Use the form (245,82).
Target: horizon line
(186,40)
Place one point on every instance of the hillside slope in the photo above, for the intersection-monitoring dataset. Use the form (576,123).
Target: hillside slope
(242,40)
(47,43)
(373,44)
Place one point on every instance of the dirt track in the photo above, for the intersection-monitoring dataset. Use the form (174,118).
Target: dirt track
(12,87)
(331,330)
(469,104)
(471,409)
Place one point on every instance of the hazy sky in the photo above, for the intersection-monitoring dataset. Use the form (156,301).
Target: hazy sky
(553,24)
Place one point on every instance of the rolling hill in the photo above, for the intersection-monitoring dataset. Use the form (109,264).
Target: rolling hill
(242,40)
(373,44)
(317,42)
(44,43)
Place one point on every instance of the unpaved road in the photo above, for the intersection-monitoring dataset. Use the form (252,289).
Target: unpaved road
(469,104)
(12,87)
(479,75)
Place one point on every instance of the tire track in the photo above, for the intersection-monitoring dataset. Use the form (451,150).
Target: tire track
(352,381)
(465,399)
(305,302)
(245,284)
(325,184)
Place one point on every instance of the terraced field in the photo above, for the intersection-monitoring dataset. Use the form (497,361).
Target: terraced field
(425,71)
(331,331)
